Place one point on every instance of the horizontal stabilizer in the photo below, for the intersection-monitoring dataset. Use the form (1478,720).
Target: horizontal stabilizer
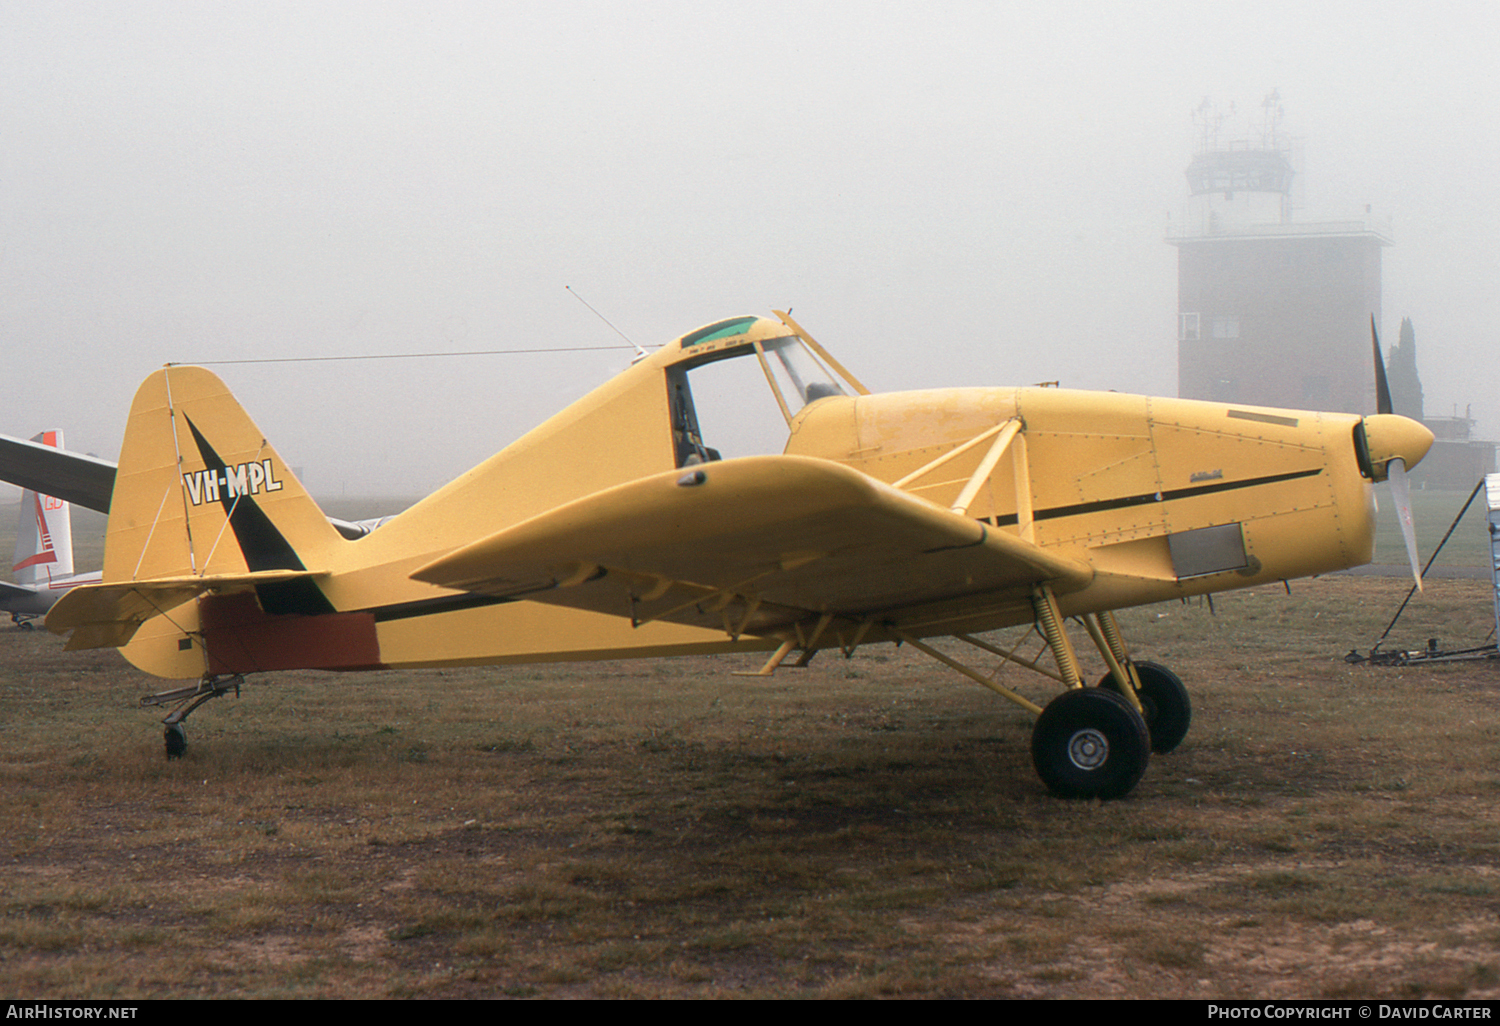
(784,536)
(108,615)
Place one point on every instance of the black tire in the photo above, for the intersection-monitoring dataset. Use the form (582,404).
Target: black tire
(1164,704)
(176,740)
(1090,743)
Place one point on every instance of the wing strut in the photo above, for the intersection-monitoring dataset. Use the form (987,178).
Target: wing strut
(974,675)
(1102,628)
(951,454)
(1009,435)
(982,473)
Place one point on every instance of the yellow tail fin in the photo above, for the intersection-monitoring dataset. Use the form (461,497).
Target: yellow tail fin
(200,490)
(200,496)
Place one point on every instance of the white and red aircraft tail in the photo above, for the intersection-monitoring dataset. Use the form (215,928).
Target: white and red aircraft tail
(43,563)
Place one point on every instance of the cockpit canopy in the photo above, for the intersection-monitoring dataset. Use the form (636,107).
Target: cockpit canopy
(714,366)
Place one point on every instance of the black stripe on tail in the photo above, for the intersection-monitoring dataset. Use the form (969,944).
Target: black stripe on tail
(263,545)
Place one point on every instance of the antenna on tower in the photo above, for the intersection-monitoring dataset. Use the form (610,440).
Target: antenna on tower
(1207,119)
(1271,131)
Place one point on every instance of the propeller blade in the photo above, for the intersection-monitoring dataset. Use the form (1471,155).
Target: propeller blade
(1401,493)
(1382,386)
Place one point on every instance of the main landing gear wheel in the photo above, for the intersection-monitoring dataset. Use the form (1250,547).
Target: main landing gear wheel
(176,739)
(1090,743)
(1164,704)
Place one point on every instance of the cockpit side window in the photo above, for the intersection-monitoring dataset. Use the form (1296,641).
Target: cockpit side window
(719,398)
(687,436)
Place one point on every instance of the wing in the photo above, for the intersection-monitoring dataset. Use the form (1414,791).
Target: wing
(73,477)
(8,590)
(752,545)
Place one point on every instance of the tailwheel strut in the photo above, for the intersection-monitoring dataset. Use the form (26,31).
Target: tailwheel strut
(184,701)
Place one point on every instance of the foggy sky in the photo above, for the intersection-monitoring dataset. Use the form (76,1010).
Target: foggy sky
(945,193)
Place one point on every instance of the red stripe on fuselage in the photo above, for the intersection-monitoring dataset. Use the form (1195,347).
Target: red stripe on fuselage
(243,638)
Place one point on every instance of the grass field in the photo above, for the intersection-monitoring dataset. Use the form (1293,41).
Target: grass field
(1433,513)
(860,828)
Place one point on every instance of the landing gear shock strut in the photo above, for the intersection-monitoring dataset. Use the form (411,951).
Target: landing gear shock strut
(1088,742)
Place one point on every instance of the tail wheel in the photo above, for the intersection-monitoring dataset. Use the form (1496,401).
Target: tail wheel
(176,740)
(1090,743)
(1164,704)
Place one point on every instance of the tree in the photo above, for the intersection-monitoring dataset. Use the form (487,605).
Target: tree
(1401,371)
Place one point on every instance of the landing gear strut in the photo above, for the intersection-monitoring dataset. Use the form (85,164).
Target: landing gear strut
(1089,742)
(184,701)
(1165,705)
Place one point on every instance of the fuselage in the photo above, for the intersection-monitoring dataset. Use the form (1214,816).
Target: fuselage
(1163,497)
(1157,498)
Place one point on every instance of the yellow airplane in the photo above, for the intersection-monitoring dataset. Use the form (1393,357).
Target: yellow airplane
(614,530)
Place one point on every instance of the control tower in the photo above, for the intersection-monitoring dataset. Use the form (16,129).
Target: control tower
(1270,311)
